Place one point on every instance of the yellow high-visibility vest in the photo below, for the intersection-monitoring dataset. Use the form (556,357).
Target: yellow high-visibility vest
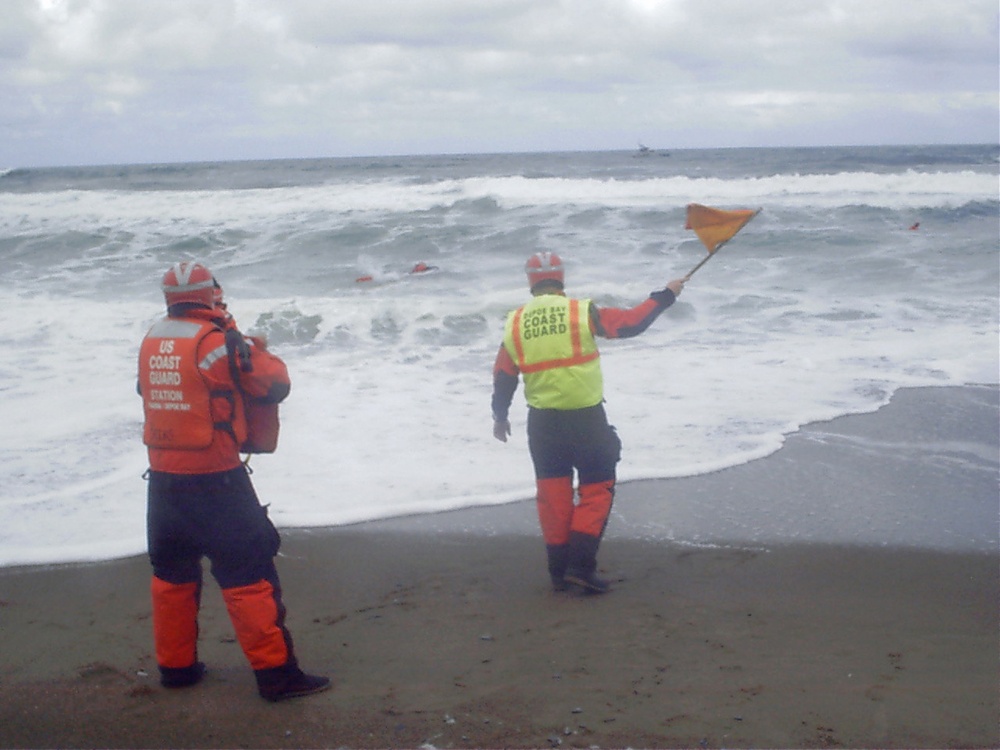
(552,345)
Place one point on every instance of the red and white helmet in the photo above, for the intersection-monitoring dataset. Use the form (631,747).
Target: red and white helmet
(544,267)
(191,282)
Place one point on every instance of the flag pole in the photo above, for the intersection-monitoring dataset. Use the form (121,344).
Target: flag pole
(704,261)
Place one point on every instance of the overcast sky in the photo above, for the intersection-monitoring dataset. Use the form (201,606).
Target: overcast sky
(124,81)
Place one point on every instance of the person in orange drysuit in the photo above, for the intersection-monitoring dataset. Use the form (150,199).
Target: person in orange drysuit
(195,369)
(550,343)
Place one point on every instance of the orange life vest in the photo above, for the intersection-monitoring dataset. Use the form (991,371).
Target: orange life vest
(176,398)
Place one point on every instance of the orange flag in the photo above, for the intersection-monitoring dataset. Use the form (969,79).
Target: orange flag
(714,226)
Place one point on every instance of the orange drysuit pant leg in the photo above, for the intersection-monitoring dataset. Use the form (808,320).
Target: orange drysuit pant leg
(554,497)
(175,622)
(589,521)
(258,618)
(591,513)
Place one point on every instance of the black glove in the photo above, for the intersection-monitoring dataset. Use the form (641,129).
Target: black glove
(239,349)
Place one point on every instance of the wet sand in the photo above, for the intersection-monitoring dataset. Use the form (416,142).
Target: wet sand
(442,631)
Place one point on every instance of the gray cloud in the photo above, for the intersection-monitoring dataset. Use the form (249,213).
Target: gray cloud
(96,81)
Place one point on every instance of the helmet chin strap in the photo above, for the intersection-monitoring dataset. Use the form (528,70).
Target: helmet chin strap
(547,286)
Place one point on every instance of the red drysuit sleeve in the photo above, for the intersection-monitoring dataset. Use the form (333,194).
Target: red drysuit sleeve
(621,323)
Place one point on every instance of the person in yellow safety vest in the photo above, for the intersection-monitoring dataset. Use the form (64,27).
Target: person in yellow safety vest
(550,342)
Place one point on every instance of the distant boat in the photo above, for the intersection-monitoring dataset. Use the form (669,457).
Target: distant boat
(645,150)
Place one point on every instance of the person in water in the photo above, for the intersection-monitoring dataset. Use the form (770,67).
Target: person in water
(418,268)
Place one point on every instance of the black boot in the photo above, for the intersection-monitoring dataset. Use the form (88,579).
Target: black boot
(281,683)
(181,677)
(558,555)
(583,563)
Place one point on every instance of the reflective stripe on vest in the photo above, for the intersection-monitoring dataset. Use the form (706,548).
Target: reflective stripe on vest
(552,345)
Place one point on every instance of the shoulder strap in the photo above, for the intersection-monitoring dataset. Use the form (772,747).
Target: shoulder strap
(238,353)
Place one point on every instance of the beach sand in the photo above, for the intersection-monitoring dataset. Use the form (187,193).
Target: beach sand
(442,630)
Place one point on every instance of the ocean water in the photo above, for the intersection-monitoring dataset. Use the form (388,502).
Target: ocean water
(823,306)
